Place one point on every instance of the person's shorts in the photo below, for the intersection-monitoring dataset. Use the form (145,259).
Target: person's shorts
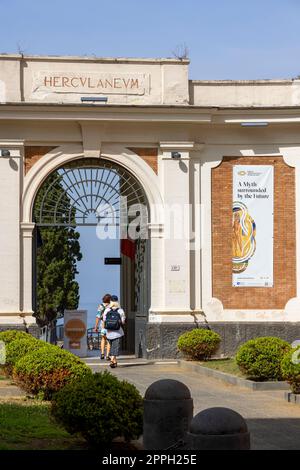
(103,332)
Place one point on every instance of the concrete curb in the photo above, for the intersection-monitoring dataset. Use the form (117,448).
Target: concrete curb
(120,364)
(232,379)
(133,364)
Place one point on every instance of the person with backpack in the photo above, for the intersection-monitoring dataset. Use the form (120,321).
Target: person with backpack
(99,319)
(114,318)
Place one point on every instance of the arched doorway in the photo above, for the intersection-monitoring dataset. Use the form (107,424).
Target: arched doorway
(93,192)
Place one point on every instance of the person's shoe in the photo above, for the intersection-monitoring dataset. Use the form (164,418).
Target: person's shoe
(108,358)
(102,356)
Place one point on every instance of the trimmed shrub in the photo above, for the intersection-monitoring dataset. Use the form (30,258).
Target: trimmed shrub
(100,408)
(260,358)
(48,369)
(18,348)
(290,369)
(199,343)
(11,335)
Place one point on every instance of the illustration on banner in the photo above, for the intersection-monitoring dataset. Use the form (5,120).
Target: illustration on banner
(243,237)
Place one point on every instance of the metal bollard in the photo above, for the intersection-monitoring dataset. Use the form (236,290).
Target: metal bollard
(218,429)
(168,411)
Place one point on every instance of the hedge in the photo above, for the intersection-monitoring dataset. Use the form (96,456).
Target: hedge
(100,408)
(48,369)
(11,335)
(290,368)
(199,343)
(260,358)
(18,348)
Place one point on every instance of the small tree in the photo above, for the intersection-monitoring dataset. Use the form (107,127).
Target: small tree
(57,257)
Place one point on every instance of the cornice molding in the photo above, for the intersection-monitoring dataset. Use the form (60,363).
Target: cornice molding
(12,144)
(180,145)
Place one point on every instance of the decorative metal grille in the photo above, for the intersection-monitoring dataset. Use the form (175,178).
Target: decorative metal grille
(86,192)
(140,276)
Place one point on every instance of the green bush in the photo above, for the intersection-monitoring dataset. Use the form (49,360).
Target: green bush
(290,369)
(8,337)
(18,348)
(11,335)
(100,408)
(48,369)
(199,343)
(260,358)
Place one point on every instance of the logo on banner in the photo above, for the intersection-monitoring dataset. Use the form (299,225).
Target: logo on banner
(243,237)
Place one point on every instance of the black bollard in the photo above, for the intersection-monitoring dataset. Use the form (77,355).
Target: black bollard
(218,429)
(168,411)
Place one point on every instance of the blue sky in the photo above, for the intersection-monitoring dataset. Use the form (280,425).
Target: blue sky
(96,279)
(227,39)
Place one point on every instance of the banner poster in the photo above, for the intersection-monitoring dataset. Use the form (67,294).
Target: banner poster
(252,226)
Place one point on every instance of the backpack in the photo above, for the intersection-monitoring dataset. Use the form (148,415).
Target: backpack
(113,320)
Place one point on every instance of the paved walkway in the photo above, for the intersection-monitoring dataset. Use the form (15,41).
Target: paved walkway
(273,423)
(9,390)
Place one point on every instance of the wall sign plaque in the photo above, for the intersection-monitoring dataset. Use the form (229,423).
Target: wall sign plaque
(112,261)
(91,82)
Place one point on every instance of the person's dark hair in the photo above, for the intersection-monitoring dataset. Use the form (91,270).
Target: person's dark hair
(106,299)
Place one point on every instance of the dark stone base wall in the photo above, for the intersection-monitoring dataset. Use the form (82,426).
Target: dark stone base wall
(34,330)
(140,337)
(161,339)
(12,327)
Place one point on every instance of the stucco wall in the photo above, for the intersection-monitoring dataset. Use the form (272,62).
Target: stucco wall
(238,93)
(68,79)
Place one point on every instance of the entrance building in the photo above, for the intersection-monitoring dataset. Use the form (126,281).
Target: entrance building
(216,164)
